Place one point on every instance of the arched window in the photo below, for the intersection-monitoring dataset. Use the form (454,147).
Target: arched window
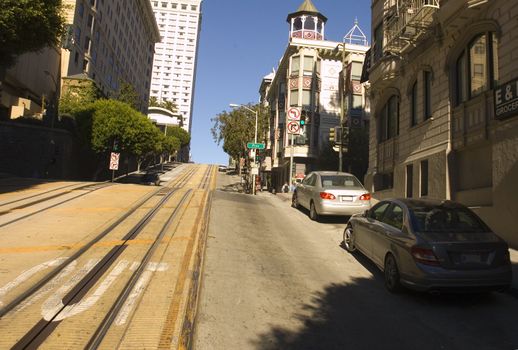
(309,24)
(297,24)
(389,119)
(476,67)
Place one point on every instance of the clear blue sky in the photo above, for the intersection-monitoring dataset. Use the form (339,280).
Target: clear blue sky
(240,42)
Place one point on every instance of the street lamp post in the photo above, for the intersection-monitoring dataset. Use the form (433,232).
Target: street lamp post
(233,105)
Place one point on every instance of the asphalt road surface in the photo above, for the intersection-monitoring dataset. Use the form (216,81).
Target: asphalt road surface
(273,279)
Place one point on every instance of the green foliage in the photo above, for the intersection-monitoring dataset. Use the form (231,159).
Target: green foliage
(169,105)
(180,134)
(129,95)
(29,25)
(237,127)
(102,122)
(171,144)
(76,97)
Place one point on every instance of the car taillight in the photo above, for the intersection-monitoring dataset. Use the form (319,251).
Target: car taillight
(424,256)
(365,197)
(325,195)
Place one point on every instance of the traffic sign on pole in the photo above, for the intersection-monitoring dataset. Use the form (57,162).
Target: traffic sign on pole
(293,127)
(294,113)
(114,161)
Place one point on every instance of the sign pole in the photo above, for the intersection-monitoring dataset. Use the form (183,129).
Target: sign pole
(291,160)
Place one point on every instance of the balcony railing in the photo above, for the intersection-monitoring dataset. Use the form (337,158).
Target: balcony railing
(405,21)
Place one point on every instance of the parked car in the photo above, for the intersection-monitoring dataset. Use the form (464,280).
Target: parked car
(151,178)
(331,193)
(222,168)
(430,245)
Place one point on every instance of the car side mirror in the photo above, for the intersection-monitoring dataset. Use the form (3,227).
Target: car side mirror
(366,213)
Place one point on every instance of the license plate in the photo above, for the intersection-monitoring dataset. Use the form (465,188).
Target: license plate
(346,198)
(471,258)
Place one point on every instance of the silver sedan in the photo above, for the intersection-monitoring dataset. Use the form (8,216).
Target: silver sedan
(429,245)
(331,193)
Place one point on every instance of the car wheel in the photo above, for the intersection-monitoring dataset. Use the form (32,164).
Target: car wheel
(313,215)
(392,278)
(294,201)
(349,239)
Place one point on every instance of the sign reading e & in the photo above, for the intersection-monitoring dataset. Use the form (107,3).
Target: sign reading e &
(506,100)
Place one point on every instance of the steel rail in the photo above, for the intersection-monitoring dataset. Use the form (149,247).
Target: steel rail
(54,205)
(104,327)
(3,204)
(38,334)
(54,272)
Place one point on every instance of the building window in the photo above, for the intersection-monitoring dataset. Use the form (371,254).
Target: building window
(356,70)
(476,68)
(413,105)
(184,7)
(295,65)
(409,181)
(389,120)
(427,94)
(309,23)
(297,24)
(306,98)
(193,7)
(308,65)
(424,178)
(357,102)
(294,97)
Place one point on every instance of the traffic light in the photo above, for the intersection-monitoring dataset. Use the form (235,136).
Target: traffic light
(303,118)
(115,145)
(332,135)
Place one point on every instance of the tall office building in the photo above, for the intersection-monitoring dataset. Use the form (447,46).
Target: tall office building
(111,42)
(174,67)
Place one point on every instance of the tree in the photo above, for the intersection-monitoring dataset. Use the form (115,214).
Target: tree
(237,127)
(180,134)
(129,95)
(29,25)
(78,94)
(169,105)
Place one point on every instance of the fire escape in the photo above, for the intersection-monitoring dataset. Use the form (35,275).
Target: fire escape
(406,22)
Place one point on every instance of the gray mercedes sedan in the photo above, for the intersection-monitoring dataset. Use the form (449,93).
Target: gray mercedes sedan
(429,245)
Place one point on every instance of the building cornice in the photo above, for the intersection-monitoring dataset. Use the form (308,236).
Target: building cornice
(151,20)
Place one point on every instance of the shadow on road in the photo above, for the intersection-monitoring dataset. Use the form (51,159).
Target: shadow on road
(361,314)
(14,184)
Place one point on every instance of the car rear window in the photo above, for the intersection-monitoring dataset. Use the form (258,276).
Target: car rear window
(446,219)
(340,181)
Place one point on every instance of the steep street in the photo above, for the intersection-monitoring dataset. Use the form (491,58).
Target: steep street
(274,279)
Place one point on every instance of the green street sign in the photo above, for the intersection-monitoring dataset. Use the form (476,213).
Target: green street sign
(251,145)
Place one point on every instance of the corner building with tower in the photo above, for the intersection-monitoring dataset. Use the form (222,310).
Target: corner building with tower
(308,79)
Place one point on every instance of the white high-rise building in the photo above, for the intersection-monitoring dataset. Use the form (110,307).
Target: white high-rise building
(174,66)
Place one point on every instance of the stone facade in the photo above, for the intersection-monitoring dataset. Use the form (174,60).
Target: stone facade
(447,142)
